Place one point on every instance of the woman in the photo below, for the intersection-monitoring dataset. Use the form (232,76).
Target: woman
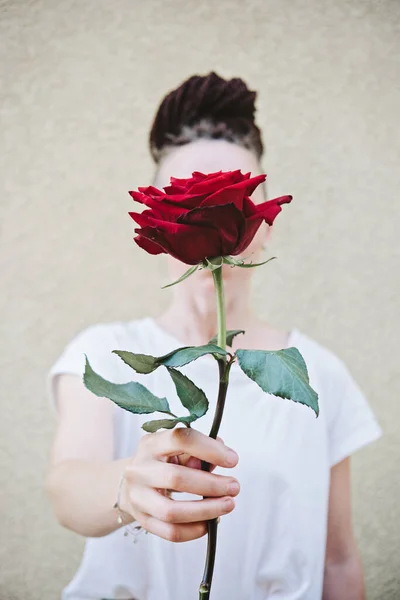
(285,529)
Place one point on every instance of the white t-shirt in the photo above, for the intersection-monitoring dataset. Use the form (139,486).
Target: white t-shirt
(273,544)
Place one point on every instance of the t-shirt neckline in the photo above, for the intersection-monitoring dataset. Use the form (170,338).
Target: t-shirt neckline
(179,344)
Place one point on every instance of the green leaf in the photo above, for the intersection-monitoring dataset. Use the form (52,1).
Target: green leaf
(152,426)
(281,373)
(192,397)
(183,356)
(250,265)
(132,396)
(229,260)
(229,337)
(141,363)
(187,274)
(144,363)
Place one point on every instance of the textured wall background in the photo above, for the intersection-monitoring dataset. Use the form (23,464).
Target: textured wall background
(80,83)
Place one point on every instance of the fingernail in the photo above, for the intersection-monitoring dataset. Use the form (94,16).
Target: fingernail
(228,505)
(233,488)
(231,458)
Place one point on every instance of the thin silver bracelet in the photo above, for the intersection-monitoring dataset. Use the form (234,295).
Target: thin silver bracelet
(129,528)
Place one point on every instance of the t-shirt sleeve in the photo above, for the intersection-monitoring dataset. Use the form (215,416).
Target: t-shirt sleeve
(352,424)
(95,343)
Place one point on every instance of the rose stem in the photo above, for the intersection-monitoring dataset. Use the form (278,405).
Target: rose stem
(224,368)
(221,319)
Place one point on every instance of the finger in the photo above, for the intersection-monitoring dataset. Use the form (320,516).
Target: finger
(187,440)
(173,511)
(188,461)
(171,531)
(192,462)
(156,474)
(212,467)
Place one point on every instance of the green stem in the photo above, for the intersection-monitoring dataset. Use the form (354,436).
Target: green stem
(221,319)
(224,368)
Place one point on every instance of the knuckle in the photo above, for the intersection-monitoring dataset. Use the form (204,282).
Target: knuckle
(168,512)
(174,479)
(131,470)
(146,441)
(203,529)
(134,474)
(144,520)
(174,534)
(180,436)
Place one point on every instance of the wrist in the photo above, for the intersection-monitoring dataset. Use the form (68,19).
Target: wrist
(123,506)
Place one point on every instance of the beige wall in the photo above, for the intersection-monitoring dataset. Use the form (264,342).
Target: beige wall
(80,83)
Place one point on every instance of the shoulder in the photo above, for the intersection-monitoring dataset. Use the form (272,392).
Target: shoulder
(332,379)
(103,335)
(350,420)
(323,364)
(97,342)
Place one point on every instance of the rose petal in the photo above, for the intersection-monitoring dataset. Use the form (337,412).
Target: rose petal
(148,219)
(184,200)
(151,191)
(153,235)
(227,221)
(255,215)
(229,195)
(213,184)
(198,176)
(166,210)
(254,182)
(139,197)
(249,208)
(234,193)
(174,189)
(180,186)
(148,245)
(142,218)
(250,229)
(270,209)
(188,243)
(179,182)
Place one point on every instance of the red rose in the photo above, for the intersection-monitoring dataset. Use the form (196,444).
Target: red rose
(205,216)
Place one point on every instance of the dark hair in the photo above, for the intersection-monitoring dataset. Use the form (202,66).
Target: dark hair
(206,107)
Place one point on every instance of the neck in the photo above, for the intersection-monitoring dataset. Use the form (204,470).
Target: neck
(193,320)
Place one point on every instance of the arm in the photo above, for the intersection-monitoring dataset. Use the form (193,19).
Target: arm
(83,478)
(343,576)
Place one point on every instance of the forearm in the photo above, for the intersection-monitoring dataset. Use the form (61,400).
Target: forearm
(83,494)
(344,580)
